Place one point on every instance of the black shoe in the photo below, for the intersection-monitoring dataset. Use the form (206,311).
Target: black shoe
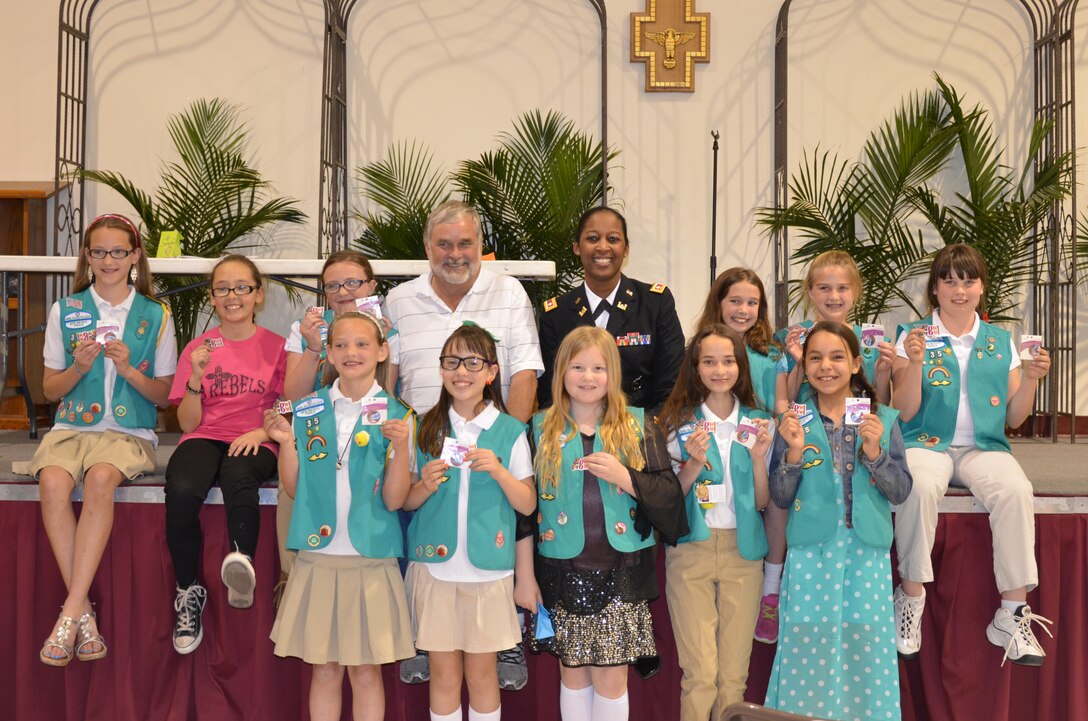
(188,629)
(647,666)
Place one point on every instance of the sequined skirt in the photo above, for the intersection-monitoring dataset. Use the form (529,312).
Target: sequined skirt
(618,634)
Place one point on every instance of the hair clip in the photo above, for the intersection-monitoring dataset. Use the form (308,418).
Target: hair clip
(123,219)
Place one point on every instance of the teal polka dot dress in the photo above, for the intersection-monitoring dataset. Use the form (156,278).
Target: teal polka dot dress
(836,654)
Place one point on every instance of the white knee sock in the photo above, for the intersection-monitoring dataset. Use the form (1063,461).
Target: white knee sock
(610,709)
(474,715)
(455,716)
(772,578)
(575,704)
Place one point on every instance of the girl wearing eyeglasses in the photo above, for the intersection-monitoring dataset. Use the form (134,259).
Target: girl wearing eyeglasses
(106,392)
(346,277)
(476,471)
(226,379)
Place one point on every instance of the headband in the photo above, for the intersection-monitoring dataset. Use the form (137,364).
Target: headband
(358,314)
(123,219)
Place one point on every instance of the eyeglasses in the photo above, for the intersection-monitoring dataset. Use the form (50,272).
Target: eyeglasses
(351,284)
(116,253)
(473,363)
(238,290)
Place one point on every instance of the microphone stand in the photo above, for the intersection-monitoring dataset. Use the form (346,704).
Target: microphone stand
(714,214)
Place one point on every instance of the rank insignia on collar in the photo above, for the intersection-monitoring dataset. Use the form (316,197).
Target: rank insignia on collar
(657,288)
(583,311)
(550,304)
(621,305)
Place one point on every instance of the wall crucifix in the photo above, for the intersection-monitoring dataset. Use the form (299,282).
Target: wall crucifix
(670,37)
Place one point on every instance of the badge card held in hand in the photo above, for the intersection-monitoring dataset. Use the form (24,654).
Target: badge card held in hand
(747,432)
(454,452)
(375,410)
(804,415)
(371,305)
(871,334)
(856,410)
(106,331)
(579,464)
(1029,346)
(283,408)
(932,332)
(213,342)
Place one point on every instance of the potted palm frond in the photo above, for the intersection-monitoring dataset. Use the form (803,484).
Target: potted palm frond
(211,195)
(530,192)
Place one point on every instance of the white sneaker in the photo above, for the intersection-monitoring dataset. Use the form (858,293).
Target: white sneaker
(1011,630)
(908,623)
(239,578)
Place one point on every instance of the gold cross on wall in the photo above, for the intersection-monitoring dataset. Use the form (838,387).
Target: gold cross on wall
(670,38)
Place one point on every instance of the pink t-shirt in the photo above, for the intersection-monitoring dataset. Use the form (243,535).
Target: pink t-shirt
(241,380)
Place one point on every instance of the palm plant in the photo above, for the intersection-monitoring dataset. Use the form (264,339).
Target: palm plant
(890,194)
(530,192)
(407,186)
(865,208)
(212,196)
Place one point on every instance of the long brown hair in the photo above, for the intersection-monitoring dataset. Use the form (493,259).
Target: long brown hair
(690,391)
(620,434)
(760,337)
(435,424)
(859,384)
(82,279)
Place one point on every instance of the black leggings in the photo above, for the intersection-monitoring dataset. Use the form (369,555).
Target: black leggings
(193,468)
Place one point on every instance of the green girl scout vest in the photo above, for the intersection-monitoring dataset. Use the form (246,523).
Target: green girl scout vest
(813,517)
(751,538)
(374,530)
(934,425)
(432,534)
(85,403)
(559,517)
(764,372)
(869,356)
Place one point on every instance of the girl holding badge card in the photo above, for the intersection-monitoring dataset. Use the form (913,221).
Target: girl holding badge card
(104,431)
(836,653)
(832,287)
(714,576)
(957,389)
(344,605)
(476,471)
(605,484)
(737,300)
(227,377)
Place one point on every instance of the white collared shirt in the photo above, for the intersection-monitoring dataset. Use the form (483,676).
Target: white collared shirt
(347,414)
(498,303)
(458,567)
(166,360)
(962,346)
(594,300)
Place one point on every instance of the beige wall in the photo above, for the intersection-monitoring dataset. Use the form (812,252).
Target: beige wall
(454,73)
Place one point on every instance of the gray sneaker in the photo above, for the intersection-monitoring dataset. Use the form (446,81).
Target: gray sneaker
(513,675)
(416,669)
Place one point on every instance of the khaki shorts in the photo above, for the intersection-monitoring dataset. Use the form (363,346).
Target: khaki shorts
(76,451)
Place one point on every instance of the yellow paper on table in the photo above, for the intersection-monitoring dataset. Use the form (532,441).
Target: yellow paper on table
(169,244)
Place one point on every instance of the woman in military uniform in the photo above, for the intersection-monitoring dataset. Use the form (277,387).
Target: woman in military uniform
(641,317)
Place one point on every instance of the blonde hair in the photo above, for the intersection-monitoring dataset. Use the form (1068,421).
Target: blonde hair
(832,259)
(621,435)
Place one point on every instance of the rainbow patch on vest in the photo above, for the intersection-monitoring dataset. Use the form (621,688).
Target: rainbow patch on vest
(939,376)
(813,460)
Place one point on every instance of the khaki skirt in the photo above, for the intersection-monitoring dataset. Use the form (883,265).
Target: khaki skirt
(349,610)
(460,616)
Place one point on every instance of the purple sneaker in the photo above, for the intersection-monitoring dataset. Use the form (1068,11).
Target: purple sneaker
(767,625)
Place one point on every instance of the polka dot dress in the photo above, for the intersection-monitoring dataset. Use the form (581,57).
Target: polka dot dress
(836,647)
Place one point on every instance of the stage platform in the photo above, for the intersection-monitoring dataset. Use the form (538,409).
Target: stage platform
(235,675)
